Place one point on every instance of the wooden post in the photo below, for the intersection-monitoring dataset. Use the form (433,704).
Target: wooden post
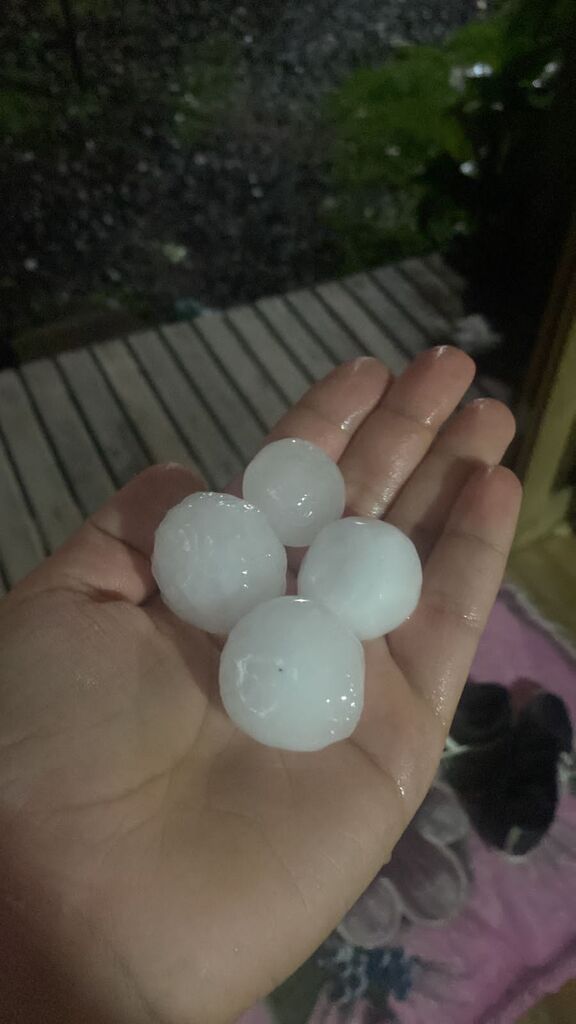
(546,458)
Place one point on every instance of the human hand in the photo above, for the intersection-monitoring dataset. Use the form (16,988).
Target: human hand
(159,865)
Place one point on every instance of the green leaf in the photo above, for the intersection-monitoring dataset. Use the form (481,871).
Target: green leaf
(480,42)
(389,122)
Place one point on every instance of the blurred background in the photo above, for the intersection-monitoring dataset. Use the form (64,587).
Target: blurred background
(162,156)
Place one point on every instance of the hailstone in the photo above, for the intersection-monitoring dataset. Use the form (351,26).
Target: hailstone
(366,572)
(215,558)
(292,675)
(298,487)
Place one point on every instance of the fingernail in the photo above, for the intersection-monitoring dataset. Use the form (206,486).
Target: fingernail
(360,362)
(440,350)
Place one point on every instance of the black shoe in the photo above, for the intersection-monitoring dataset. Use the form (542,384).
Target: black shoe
(506,774)
(480,738)
(545,722)
(542,733)
(483,714)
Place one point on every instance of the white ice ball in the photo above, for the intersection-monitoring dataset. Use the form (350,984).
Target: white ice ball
(298,487)
(292,676)
(215,558)
(366,572)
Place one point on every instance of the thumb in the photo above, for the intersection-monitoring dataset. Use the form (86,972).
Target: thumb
(109,556)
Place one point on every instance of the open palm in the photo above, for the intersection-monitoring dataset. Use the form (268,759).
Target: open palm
(166,867)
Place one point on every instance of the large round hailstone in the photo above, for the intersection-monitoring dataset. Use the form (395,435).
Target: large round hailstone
(298,487)
(366,572)
(215,558)
(292,676)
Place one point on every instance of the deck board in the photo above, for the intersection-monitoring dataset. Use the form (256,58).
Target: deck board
(202,393)
(447,300)
(429,321)
(261,394)
(88,477)
(211,450)
(296,337)
(21,546)
(234,415)
(104,415)
(440,266)
(156,432)
(269,352)
(411,336)
(41,477)
(340,344)
(364,328)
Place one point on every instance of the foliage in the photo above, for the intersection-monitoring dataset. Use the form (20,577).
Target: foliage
(428,146)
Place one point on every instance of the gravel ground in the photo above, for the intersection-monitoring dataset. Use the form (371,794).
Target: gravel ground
(221,221)
(265,178)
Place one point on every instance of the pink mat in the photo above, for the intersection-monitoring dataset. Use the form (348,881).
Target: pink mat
(257,1015)
(516,940)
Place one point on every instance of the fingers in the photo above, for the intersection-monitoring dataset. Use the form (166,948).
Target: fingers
(110,553)
(479,434)
(134,513)
(436,646)
(398,433)
(334,409)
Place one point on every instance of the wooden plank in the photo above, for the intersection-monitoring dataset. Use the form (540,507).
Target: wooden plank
(120,446)
(432,324)
(296,337)
(88,477)
(333,335)
(442,298)
(288,377)
(549,490)
(54,507)
(440,266)
(365,329)
(227,405)
(266,402)
(435,324)
(155,430)
(218,460)
(21,547)
(435,307)
(406,332)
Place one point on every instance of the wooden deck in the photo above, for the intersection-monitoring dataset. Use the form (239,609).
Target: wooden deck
(74,428)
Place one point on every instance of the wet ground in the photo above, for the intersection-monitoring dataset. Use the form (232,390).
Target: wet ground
(161,205)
